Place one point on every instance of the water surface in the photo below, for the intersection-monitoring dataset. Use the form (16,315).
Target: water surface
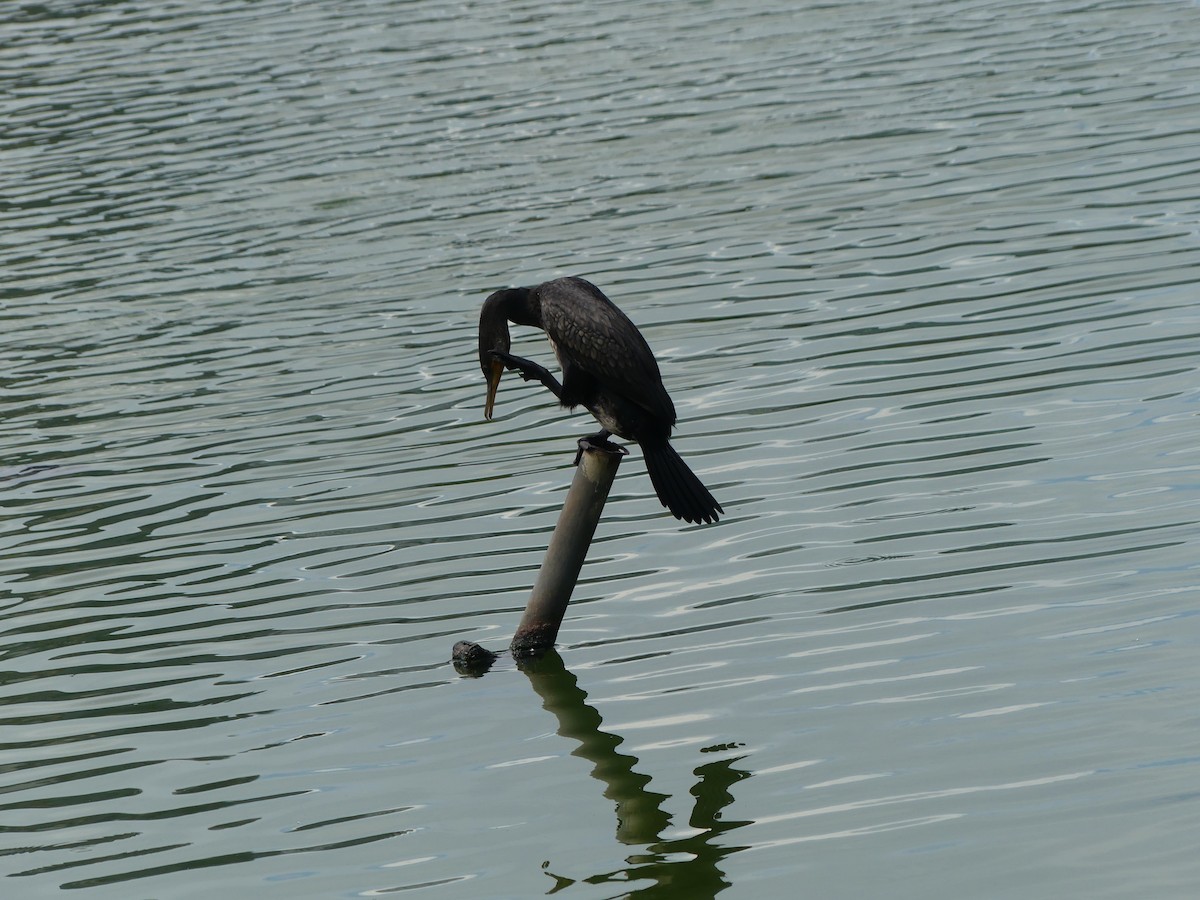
(920,280)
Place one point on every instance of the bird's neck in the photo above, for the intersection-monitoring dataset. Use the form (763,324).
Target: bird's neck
(521,307)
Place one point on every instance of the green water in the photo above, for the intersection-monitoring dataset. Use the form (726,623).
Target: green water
(920,282)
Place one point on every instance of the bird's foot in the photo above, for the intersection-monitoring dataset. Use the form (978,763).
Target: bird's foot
(528,370)
(598,441)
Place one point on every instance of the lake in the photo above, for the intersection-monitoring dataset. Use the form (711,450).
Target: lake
(920,280)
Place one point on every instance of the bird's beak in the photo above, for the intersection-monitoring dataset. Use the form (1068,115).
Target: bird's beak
(494,374)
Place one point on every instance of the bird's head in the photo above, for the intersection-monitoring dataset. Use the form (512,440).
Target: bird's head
(493,335)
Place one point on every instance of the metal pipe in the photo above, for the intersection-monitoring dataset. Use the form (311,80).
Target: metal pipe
(568,548)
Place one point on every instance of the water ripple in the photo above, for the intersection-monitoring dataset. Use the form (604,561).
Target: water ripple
(919,278)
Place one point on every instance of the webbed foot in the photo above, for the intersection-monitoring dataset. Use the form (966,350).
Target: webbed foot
(525,368)
(598,441)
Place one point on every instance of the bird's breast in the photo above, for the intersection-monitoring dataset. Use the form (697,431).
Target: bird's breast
(562,363)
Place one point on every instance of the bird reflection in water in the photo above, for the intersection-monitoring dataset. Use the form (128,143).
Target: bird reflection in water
(674,868)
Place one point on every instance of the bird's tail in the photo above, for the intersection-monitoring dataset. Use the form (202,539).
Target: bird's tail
(677,486)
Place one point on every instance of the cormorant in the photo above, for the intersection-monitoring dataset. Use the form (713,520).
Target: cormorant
(607,367)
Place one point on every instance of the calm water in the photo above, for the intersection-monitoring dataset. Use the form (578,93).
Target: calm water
(921,281)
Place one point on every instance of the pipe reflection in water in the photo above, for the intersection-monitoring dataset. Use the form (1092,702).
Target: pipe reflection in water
(686,867)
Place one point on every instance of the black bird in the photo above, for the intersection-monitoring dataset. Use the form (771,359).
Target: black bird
(607,367)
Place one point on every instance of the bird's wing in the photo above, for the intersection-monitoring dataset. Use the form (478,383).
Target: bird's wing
(590,332)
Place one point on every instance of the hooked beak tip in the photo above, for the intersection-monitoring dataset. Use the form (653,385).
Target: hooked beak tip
(493,384)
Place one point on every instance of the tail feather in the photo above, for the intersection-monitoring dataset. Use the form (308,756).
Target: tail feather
(677,486)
